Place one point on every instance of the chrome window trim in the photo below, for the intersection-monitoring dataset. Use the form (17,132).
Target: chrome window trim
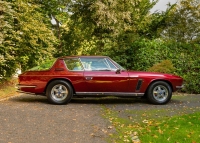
(107,59)
(81,63)
(106,63)
(116,64)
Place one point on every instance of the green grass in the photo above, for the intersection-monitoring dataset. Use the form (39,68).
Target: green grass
(177,129)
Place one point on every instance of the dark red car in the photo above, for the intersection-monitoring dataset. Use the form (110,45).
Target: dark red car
(95,76)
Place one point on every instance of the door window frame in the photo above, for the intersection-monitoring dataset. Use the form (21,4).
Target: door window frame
(105,61)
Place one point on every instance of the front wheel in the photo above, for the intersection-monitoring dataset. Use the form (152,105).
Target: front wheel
(59,92)
(159,92)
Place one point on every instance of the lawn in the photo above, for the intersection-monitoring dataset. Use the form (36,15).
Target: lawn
(176,129)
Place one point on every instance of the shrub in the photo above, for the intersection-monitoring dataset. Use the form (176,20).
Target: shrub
(165,66)
(143,54)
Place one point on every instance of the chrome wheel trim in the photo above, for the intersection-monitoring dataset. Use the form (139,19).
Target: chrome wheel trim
(59,92)
(160,93)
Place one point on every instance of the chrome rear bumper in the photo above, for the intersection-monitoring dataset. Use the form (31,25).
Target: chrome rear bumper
(25,86)
(25,92)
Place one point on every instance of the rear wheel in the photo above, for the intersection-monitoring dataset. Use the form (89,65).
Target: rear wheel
(59,92)
(159,92)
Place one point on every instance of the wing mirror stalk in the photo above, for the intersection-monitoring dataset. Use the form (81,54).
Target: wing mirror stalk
(118,71)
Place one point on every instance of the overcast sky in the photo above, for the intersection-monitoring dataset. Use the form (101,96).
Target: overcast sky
(162,5)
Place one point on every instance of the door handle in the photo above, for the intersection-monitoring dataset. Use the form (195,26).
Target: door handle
(88,78)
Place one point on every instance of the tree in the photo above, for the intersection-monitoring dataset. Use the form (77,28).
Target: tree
(25,37)
(104,24)
(35,40)
(8,64)
(184,22)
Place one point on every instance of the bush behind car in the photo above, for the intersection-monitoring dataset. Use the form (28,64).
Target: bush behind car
(143,54)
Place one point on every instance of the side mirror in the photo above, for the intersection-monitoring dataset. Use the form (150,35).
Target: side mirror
(118,71)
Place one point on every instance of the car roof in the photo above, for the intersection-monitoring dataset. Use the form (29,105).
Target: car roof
(83,57)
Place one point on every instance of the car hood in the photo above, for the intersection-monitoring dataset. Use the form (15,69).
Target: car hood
(151,74)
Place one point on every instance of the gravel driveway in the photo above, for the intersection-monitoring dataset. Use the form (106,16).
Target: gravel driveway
(28,118)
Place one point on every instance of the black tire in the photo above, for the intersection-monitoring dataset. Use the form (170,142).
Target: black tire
(159,92)
(59,92)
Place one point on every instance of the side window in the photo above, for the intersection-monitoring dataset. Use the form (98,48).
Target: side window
(95,64)
(99,65)
(73,64)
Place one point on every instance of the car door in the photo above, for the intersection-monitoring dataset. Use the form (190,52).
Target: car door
(100,76)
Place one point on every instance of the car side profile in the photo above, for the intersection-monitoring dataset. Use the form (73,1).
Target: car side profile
(95,76)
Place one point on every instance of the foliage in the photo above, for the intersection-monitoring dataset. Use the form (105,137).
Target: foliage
(183,57)
(95,26)
(8,64)
(183,24)
(34,35)
(25,38)
(57,12)
(120,16)
(191,75)
(144,53)
(164,66)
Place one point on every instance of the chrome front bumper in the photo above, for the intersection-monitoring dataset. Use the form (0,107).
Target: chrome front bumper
(179,87)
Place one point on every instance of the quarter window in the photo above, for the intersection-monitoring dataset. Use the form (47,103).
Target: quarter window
(73,64)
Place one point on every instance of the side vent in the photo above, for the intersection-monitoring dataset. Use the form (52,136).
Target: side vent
(139,84)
